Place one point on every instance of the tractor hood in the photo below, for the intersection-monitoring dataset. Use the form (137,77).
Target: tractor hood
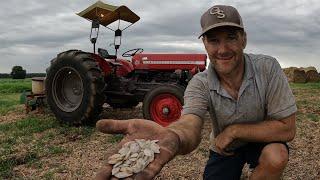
(167,62)
(107,14)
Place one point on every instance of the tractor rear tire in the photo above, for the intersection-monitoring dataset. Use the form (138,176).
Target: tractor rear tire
(163,104)
(74,87)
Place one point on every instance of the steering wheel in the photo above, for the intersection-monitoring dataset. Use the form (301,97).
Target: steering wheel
(132,52)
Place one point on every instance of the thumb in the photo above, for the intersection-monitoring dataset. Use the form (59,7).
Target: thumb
(110,126)
(104,173)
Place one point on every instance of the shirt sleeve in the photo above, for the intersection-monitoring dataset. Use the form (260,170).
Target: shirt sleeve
(195,98)
(280,100)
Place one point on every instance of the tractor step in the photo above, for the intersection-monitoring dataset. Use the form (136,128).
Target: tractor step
(118,93)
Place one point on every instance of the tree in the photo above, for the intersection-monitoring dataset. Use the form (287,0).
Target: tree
(18,72)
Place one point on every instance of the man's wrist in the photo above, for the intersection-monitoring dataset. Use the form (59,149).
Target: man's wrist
(174,131)
(234,131)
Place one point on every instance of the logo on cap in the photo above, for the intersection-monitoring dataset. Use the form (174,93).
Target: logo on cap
(218,12)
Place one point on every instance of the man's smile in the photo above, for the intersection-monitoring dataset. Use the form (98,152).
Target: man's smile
(228,58)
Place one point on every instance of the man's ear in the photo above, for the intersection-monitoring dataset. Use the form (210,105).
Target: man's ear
(244,39)
(204,41)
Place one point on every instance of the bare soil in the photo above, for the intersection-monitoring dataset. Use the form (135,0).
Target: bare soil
(13,115)
(86,156)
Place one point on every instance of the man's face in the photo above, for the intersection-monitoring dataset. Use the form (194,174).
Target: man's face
(225,47)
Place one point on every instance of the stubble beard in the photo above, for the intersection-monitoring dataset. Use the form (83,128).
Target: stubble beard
(226,70)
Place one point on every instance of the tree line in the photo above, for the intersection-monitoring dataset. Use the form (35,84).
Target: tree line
(18,72)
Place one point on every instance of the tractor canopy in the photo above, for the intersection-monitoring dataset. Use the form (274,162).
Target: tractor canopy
(107,14)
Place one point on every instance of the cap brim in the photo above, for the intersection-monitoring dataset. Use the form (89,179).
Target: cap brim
(220,25)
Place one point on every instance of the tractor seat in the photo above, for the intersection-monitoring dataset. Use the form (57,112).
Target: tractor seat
(104,53)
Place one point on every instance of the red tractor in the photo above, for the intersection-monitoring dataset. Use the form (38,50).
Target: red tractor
(79,83)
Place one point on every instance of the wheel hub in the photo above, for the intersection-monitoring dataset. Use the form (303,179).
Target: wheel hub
(76,91)
(67,89)
(165,109)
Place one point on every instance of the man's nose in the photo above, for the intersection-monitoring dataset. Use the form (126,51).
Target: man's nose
(223,47)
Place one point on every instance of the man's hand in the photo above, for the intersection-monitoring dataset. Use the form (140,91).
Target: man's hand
(141,129)
(223,140)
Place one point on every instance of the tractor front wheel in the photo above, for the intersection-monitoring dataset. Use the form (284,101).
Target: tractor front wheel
(74,87)
(163,104)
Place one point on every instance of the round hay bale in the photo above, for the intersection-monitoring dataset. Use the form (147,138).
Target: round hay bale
(310,68)
(289,72)
(299,76)
(312,76)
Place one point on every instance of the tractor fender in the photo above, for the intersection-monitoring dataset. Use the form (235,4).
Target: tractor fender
(123,66)
(103,64)
(126,67)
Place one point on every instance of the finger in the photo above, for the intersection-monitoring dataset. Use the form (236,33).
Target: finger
(104,173)
(155,166)
(222,148)
(227,153)
(110,126)
(223,153)
(218,150)
(150,171)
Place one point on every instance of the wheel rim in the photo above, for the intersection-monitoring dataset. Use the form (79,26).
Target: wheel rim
(67,89)
(165,109)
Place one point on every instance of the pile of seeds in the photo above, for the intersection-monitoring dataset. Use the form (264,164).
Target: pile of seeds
(133,157)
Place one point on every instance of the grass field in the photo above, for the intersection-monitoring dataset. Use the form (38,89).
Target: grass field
(10,91)
(37,146)
(14,85)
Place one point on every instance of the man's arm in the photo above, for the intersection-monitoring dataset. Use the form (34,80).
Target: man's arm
(188,128)
(266,131)
(280,107)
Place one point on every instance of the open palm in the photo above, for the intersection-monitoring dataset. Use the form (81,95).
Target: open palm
(141,129)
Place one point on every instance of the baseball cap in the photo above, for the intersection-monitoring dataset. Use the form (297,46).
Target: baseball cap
(220,15)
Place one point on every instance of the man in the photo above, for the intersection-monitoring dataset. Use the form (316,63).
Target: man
(249,100)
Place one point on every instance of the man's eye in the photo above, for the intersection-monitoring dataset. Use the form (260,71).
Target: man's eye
(213,40)
(232,37)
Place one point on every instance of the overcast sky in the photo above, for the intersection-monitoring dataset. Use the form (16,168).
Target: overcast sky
(32,32)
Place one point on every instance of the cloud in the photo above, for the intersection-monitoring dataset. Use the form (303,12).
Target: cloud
(33,32)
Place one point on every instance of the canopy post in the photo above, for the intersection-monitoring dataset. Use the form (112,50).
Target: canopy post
(94,36)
